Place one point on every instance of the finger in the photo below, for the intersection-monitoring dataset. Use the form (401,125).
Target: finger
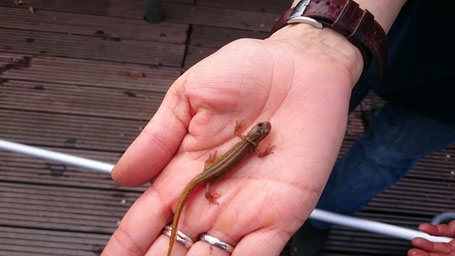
(262,242)
(442,248)
(438,230)
(192,220)
(141,225)
(244,229)
(157,143)
(161,246)
(417,252)
(423,244)
(203,248)
(432,247)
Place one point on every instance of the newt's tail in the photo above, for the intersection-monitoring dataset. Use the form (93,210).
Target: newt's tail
(178,211)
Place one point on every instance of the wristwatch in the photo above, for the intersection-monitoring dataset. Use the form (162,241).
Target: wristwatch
(348,19)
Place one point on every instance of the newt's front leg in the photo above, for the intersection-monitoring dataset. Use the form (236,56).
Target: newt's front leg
(239,126)
(210,160)
(268,150)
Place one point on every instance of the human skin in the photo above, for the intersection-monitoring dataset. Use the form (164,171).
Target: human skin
(299,79)
(434,249)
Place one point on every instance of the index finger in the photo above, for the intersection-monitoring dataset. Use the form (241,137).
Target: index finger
(140,227)
(155,146)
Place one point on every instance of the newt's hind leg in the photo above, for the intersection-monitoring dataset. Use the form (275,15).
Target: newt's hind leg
(239,126)
(210,195)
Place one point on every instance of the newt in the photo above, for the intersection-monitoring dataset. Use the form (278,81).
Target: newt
(216,169)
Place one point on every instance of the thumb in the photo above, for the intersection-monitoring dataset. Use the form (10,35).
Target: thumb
(155,146)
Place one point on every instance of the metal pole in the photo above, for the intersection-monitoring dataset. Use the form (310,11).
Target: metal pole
(362,224)
(56,156)
(153,11)
(374,226)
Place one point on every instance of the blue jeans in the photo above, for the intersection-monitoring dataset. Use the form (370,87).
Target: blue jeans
(398,139)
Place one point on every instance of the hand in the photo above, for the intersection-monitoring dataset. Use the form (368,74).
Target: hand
(434,249)
(300,80)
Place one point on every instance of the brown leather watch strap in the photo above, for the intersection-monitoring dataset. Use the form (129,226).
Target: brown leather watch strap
(347,18)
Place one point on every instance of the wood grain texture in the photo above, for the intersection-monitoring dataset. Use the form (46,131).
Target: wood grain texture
(91,47)
(175,13)
(25,170)
(215,37)
(87,72)
(80,100)
(69,131)
(267,6)
(27,241)
(104,27)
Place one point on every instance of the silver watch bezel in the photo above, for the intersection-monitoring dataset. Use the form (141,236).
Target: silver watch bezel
(296,15)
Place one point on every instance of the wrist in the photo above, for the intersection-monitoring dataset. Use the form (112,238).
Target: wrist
(350,21)
(325,43)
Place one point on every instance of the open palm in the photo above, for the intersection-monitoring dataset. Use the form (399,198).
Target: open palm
(303,92)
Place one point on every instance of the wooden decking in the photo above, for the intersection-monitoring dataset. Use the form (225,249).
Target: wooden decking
(84,77)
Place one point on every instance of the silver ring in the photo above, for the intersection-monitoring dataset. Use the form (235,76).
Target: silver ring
(217,242)
(182,238)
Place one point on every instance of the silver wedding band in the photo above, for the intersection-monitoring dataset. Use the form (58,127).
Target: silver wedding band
(181,237)
(187,242)
(213,241)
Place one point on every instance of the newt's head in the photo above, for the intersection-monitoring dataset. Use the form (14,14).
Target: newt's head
(259,132)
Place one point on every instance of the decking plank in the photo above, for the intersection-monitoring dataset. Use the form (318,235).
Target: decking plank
(267,6)
(46,177)
(57,178)
(175,13)
(79,100)
(72,205)
(62,208)
(13,250)
(92,48)
(51,246)
(205,40)
(76,199)
(225,18)
(216,37)
(91,25)
(59,130)
(87,72)
(53,236)
(22,241)
(195,54)
(42,207)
